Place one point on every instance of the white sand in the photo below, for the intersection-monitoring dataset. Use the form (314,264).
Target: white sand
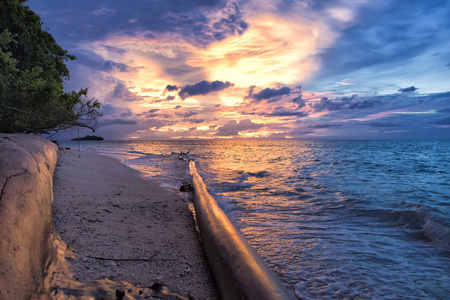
(104,209)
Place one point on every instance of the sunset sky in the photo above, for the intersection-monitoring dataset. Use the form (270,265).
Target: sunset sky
(308,69)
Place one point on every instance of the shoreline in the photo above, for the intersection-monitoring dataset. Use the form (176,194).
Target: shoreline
(127,228)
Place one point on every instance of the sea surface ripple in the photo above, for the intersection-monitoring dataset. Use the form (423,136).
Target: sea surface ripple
(335,219)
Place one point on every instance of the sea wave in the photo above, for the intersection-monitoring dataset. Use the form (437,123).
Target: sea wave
(260,174)
(235,186)
(419,222)
(138,152)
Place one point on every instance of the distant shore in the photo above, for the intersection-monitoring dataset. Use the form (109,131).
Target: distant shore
(127,228)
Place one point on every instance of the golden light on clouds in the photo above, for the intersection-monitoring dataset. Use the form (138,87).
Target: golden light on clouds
(273,50)
(294,68)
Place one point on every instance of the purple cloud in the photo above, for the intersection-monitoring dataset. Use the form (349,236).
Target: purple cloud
(203,88)
(171,88)
(109,122)
(345,103)
(410,89)
(121,91)
(233,128)
(268,93)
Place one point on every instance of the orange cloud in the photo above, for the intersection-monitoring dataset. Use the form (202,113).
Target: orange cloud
(273,50)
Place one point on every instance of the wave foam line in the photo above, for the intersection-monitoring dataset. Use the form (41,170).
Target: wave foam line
(239,271)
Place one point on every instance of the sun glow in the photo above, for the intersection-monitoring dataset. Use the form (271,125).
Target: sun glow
(273,50)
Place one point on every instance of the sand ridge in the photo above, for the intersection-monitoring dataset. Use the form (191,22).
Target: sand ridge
(124,227)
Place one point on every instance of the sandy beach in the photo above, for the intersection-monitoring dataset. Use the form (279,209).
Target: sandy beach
(124,227)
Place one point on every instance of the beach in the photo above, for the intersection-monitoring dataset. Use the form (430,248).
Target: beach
(124,227)
(381,229)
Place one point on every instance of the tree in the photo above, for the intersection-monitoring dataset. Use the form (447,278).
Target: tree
(32,76)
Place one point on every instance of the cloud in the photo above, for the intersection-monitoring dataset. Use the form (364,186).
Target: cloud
(268,93)
(230,23)
(345,103)
(442,121)
(96,62)
(387,34)
(384,124)
(203,88)
(107,109)
(284,113)
(198,47)
(108,122)
(187,114)
(114,49)
(346,81)
(275,48)
(445,111)
(122,92)
(199,22)
(110,66)
(171,88)
(410,89)
(104,11)
(299,101)
(233,128)
(325,125)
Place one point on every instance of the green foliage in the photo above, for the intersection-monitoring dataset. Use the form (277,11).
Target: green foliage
(32,76)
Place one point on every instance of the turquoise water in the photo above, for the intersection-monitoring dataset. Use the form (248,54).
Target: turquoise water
(334,219)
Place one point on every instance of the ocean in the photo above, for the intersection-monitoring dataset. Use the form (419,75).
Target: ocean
(333,219)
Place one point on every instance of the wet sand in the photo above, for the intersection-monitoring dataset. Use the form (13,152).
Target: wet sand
(124,227)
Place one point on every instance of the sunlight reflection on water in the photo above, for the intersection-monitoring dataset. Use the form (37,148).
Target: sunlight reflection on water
(336,219)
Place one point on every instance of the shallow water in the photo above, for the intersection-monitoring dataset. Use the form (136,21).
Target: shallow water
(335,219)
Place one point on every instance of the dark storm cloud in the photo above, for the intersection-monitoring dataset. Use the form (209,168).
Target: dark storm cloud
(410,89)
(203,88)
(233,128)
(268,93)
(94,20)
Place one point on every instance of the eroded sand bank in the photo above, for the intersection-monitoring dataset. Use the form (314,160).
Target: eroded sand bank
(119,230)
